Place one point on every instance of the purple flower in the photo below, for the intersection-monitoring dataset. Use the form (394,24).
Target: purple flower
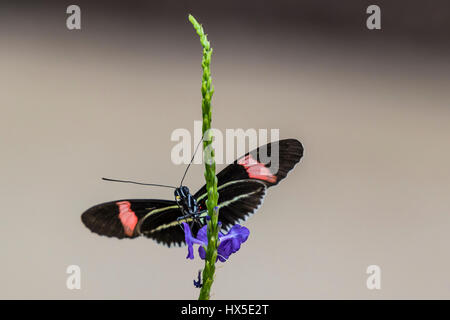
(228,243)
(198,283)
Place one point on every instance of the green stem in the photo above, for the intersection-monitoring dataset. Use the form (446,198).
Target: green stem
(210,166)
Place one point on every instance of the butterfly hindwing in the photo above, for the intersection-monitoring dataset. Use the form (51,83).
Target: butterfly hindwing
(165,228)
(123,218)
(237,200)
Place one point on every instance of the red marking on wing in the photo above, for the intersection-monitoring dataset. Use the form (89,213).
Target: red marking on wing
(256,169)
(127,217)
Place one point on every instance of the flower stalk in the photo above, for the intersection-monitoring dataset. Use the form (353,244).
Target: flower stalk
(207,90)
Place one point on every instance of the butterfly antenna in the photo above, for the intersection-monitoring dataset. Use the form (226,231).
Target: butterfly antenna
(140,183)
(195,152)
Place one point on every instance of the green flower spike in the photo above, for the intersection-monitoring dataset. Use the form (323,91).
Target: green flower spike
(210,166)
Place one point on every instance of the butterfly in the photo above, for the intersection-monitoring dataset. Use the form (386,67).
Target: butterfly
(241,185)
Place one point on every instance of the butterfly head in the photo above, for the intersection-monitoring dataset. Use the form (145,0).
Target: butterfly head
(181,193)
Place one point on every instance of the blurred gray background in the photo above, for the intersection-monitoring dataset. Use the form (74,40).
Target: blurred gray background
(370,107)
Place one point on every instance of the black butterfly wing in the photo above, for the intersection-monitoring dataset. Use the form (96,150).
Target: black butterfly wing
(125,218)
(257,164)
(165,228)
(237,200)
(242,184)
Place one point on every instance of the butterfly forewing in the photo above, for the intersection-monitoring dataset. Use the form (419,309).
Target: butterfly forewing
(268,164)
(242,184)
(123,218)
